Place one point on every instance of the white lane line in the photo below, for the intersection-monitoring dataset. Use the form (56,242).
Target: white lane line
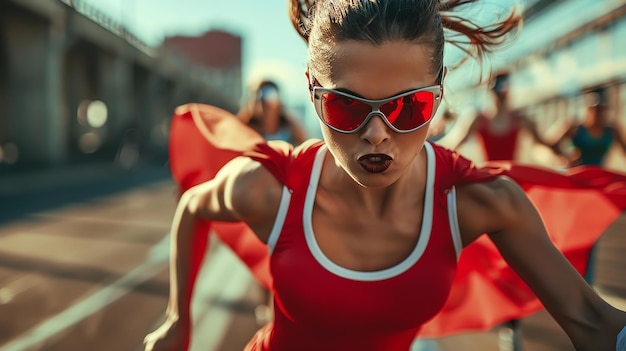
(224,278)
(156,262)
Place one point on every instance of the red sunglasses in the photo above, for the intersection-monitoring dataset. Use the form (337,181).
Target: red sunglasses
(403,113)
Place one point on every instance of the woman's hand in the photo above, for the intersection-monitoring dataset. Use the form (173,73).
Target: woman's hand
(172,335)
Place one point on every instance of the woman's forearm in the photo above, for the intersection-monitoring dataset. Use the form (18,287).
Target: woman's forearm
(180,260)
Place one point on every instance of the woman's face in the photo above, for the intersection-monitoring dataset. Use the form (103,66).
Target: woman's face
(376,156)
(267,103)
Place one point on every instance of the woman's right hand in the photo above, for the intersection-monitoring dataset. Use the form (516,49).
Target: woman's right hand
(172,335)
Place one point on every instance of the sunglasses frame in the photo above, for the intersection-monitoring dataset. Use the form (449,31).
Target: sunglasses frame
(317,91)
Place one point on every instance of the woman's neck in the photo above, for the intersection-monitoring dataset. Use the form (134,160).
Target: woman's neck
(335,179)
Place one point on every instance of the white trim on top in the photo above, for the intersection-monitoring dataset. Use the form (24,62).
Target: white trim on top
(285,199)
(387,273)
(453,219)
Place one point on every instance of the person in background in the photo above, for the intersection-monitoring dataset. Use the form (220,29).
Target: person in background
(590,142)
(499,132)
(593,138)
(266,114)
(374,211)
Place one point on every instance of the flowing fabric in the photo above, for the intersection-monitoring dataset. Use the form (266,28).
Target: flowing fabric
(576,205)
(200,145)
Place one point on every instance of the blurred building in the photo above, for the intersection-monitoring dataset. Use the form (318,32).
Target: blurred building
(76,87)
(219,53)
(565,49)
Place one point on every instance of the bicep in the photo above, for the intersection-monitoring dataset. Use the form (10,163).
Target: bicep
(515,227)
(502,210)
(243,190)
(524,243)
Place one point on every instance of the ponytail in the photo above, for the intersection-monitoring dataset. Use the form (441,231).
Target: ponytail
(300,13)
(437,21)
(479,40)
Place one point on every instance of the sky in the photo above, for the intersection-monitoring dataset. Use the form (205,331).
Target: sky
(271,47)
(270,44)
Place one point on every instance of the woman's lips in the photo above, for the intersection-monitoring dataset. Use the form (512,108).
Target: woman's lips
(375,163)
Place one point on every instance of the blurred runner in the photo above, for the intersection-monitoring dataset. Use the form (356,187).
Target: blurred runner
(593,138)
(499,133)
(265,112)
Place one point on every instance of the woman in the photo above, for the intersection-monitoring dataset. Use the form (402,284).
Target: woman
(364,228)
(593,138)
(499,133)
(266,114)
(591,141)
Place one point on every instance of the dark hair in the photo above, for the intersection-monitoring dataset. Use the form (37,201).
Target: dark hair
(500,82)
(599,97)
(263,87)
(322,22)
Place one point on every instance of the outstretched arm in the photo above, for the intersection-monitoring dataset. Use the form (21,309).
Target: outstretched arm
(470,131)
(501,209)
(232,196)
(568,134)
(531,126)
(619,136)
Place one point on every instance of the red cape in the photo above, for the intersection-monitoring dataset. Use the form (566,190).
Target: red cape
(486,291)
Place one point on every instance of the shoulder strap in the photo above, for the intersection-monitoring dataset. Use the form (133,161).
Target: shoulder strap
(284,161)
(458,170)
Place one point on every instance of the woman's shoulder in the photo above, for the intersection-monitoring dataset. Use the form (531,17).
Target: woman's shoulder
(489,206)
(249,181)
(454,169)
(284,160)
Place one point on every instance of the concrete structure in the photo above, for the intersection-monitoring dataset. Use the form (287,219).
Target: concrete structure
(564,49)
(76,87)
(218,52)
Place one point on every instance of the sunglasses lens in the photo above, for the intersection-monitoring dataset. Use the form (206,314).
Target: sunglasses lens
(410,111)
(405,113)
(342,112)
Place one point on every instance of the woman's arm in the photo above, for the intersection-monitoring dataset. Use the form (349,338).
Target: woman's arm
(501,209)
(619,136)
(532,128)
(567,134)
(471,130)
(242,191)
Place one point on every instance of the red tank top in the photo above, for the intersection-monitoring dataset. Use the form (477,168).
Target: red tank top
(320,305)
(499,146)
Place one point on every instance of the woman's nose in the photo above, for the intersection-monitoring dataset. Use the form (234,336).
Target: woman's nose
(376,131)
